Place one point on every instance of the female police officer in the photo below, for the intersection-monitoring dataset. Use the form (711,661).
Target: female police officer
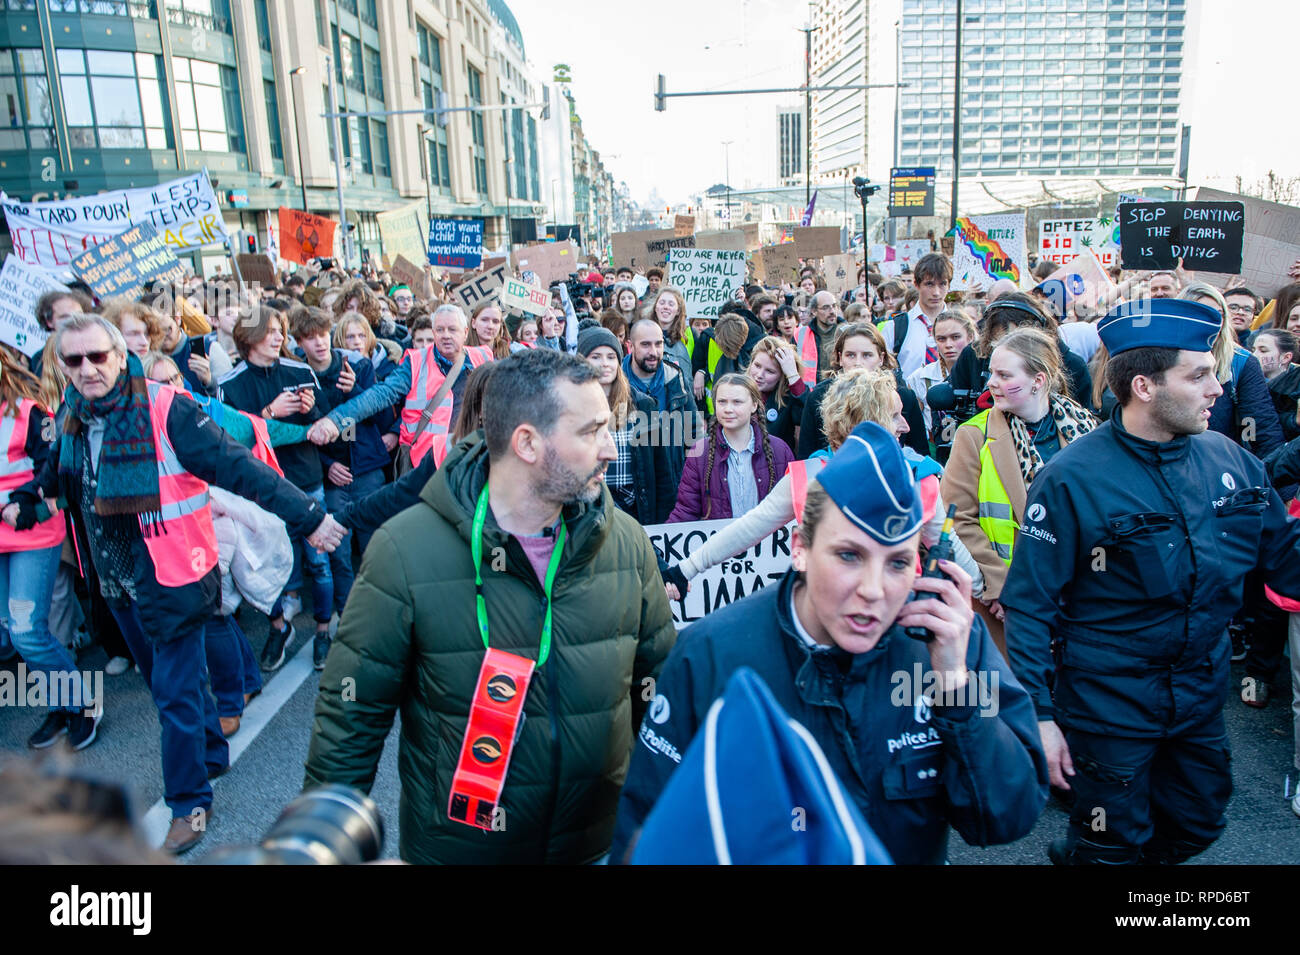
(922,735)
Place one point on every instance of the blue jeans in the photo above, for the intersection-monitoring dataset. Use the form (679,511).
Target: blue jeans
(26,589)
(177,675)
(322,581)
(336,498)
(231,664)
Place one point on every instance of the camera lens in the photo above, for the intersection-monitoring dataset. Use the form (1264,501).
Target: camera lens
(331,825)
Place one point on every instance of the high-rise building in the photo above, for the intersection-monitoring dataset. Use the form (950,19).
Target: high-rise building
(839,58)
(1088,88)
(790,145)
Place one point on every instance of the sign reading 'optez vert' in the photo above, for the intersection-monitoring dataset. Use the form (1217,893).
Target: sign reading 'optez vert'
(456,243)
(762,565)
(49,235)
(1207,236)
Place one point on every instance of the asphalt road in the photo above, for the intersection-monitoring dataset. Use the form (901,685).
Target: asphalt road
(269,750)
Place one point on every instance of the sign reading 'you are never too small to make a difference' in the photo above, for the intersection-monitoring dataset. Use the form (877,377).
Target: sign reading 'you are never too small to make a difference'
(708,278)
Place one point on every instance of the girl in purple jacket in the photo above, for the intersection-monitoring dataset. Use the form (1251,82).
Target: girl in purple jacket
(736,465)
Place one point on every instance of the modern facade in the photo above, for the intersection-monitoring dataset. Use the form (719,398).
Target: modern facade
(790,145)
(839,119)
(1085,89)
(105,94)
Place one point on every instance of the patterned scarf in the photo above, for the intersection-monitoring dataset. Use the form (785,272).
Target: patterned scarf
(127,473)
(1072,421)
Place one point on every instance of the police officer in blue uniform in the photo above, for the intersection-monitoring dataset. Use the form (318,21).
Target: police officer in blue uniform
(922,735)
(1129,564)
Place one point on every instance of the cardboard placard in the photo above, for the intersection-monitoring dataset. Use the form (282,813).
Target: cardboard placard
(814,242)
(780,262)
(304,236)
(21,287)
(840,272)
(522,297)
(750,231)
(707,278)
(413,277)
(1271,244)
(403,233)
(49,235)
(683,225)
(648,248)
(1061,240)
(989,248)
(1207,236)
(1085,279)
(257,269)
(732,239)
(481,285)
(907,252)
(762,565)
(456,243)
(549,261)
(126,263)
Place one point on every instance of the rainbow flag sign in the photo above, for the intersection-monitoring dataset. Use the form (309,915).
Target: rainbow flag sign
(988,248)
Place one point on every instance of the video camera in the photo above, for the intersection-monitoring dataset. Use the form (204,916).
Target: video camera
(949,407)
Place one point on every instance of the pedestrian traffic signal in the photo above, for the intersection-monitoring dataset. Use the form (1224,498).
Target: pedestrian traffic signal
(659,94)
(250,243)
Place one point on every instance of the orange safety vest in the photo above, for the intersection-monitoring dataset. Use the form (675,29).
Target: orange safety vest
(186,550)
(806,344)
(16,469)
(262,449)
(426,379)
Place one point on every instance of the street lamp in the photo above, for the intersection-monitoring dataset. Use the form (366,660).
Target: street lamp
(726,152)
(298,71)
(509,236)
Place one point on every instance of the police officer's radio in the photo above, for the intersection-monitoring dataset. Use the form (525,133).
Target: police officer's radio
(942,550)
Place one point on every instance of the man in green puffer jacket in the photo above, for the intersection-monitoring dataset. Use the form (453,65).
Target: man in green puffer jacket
(410,634)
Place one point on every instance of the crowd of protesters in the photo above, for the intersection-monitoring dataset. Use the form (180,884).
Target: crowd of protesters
(348,447)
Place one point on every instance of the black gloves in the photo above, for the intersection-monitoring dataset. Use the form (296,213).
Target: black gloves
(674,575)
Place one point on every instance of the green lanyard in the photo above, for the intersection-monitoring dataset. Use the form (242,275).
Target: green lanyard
(480,605)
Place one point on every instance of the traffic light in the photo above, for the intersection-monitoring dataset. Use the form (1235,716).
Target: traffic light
(660,90)
(863,188)
(250,243)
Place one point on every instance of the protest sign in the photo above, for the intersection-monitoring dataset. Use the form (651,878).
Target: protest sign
(732,239)
(1061,240)
(760,566)
(413,277)
(648,248)
(126,263)
(481,285)
(402,233)
(1207,236)
(684,225)
(907,252)
(1085,280)
(879,252)
(456,243)
(49,235)
(520,296)
(840,272)
(891,269)
(816,241)
(750,231)
(304,236)
(550,261)
(780,262)
(21,287)
(708,278)
(988,248)
(257,269)
(1271,244)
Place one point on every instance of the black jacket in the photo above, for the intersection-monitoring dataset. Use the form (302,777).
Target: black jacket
(911,770)
(653,475)
(363,451)
(211,455)
(782,421)
(970,371)
(251,388)
(812,439)
(1119,594)
(1285,390)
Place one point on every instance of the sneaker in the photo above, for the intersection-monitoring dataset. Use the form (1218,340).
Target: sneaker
(276,641)
(292,606)
(82,729)
(1255,692)
(55,725)
(1238,645)
(117,666)
(1295,803)
(320,648)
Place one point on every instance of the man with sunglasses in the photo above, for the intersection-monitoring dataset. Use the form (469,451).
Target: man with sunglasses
(131,468)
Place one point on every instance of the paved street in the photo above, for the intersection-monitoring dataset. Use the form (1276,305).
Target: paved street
(269,750)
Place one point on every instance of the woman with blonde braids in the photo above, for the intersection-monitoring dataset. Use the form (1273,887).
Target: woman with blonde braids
(851,398)
(737,464)
(29,561)
(997,454)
